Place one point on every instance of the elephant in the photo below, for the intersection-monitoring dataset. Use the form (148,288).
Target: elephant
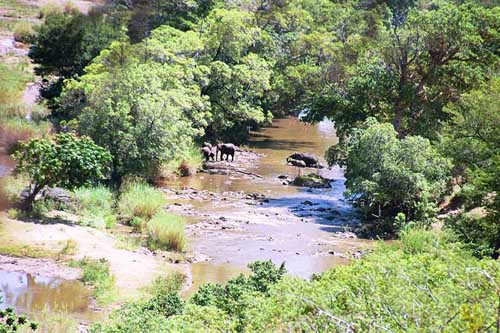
(309,159)
(297,163)
(207,153)
(227,149)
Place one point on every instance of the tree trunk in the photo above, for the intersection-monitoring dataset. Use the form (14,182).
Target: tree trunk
(27,204)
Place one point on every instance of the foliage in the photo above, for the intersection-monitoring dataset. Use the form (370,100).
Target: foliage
(96,204)
(472,138)
(68,162)
(144,114)
(387,176)
(237,294)
(140,200)
(396,289)
(148,315)
(10,322)
(166,232)
(416,65)
(96,273)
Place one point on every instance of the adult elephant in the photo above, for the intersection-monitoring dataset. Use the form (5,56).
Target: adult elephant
(227,149)
(309,159)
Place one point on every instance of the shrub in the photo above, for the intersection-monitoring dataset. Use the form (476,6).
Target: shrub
(167,232)
(23,32)
(140,200)
(68,161)
(18,129)
(97,274)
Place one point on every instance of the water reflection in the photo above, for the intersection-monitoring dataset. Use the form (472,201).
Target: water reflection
(32,293)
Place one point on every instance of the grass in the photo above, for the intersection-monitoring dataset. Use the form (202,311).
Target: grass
(166,232)
(128,243)
(95,205)
(19,129)
(70,247)
(14,80)
(96,273)
(49,321)
(164,285)
(23,32)
(140,200)
(24,250)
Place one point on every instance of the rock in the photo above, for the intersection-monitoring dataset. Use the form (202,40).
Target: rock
(312,180)
(57,194)
(307,203)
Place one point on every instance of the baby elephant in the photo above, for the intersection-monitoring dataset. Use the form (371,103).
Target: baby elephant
(227,149)
(207,153)
(309,159)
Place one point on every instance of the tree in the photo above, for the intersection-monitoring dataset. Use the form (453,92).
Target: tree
(69,162)
(144,113)
(418,66)
(472,138)
(67,42)
(387,176)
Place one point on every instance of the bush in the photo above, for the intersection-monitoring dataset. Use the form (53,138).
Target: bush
(140,200)
(96,273)
(95,204)
(167,232)
(148,315)
(23,32)
(16,130)
(400,288)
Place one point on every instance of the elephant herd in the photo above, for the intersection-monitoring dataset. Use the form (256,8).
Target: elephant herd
(301,160)
(210,152)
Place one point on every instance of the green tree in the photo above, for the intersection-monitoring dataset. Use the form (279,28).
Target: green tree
(66,42)
(143,113)
(387,176)
(417,67)
(473,139)
(69,162)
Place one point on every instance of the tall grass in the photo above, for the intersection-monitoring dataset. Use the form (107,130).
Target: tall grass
(95,204)
(166,232)
(140,200)
(23,32)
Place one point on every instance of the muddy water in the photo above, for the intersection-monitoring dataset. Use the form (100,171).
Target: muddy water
(28,294)
(296,225)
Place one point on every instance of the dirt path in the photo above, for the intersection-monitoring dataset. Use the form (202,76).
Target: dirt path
(132,269)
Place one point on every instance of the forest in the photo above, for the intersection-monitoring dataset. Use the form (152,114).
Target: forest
(130,89)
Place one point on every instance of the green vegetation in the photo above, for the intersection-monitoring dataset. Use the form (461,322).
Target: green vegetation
(389,177)
(49,321)
(405,286)
(140,201)
(66,42)
(10,322)
(95,205)
(26,250)
(68,162)
(96,273)
(166,232)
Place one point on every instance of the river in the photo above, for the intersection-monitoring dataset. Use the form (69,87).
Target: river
(299,226)
(305,228)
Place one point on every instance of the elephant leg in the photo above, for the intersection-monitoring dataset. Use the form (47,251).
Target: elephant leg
(232,157)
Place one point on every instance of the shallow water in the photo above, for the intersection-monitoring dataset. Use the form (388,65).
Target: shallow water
(33,293)
(283,229)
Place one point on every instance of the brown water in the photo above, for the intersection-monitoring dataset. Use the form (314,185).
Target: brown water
(29,293)
(283,229)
